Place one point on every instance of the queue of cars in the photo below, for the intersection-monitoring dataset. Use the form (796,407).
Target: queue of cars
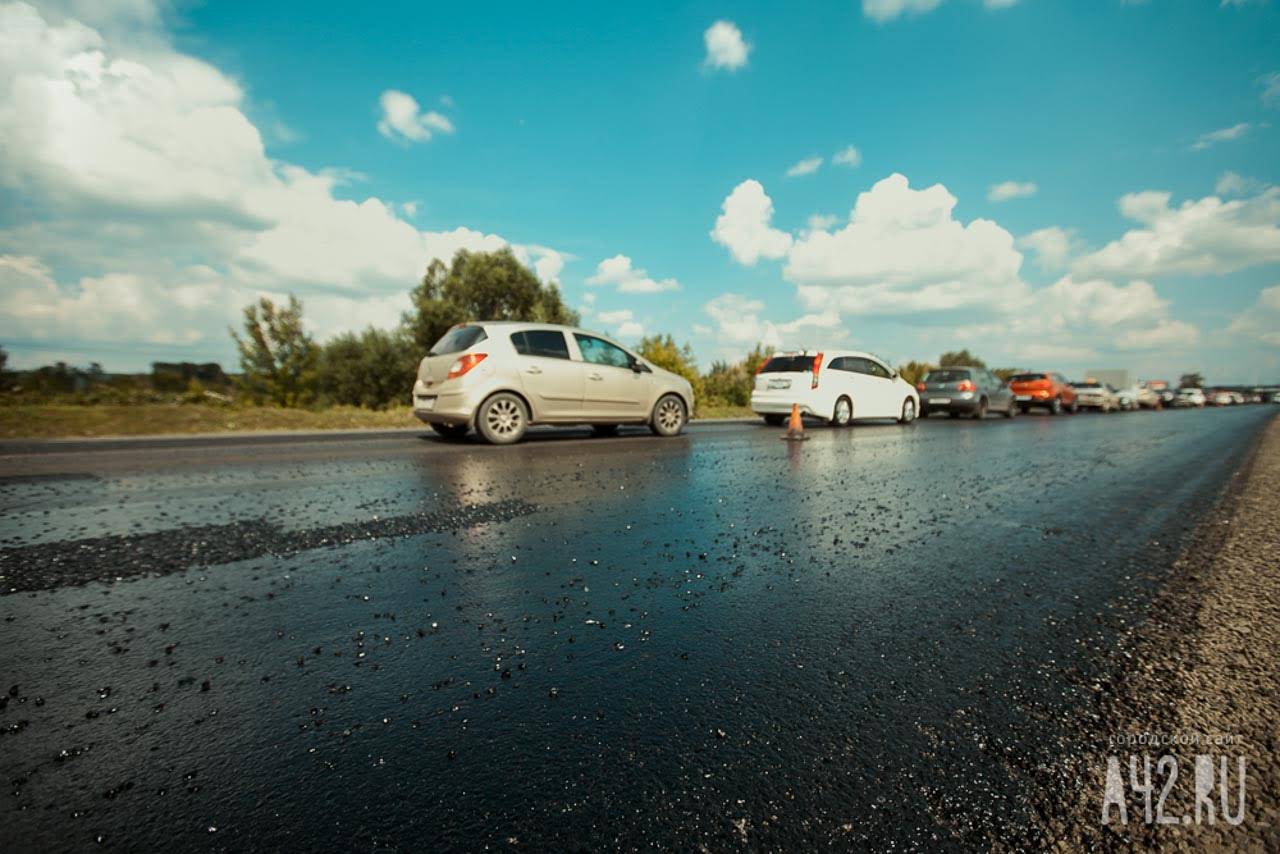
(501,377)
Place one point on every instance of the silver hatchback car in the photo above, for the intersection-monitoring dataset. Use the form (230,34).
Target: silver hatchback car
(502,376)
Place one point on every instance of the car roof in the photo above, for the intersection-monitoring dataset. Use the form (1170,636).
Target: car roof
(521,325)
(829,353)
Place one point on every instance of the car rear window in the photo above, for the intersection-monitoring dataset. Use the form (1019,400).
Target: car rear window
(1026,378)
(541,342)
(946,376)
(458,339)
(788,364)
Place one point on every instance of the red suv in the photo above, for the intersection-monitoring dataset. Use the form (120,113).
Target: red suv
(1046,390)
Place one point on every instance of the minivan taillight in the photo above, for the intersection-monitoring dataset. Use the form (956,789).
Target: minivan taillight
(464,364)
(967,385)
(817,366)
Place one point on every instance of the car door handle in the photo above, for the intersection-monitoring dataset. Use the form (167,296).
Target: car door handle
(594,377)
(533,369)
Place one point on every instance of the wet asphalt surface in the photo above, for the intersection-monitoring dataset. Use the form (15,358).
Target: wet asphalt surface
(724,640)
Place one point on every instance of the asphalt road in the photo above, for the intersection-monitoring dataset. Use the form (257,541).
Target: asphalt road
(387,641)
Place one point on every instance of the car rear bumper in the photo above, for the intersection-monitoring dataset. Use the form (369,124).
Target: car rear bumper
(456,406)
(962,402)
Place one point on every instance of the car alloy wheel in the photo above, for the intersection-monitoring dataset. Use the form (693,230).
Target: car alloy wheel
(1012,410)
(908,411)
(668,416)
(981,412)
(1055,408)
(843,413)
(502,419)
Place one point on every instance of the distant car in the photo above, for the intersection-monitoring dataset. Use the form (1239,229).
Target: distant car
(1147,397)
(1095,395)
(500,377)
(1126,398)
(965,391)
(839,386)
(1221,398)
(1168,397)
(1190,397)
(1046,390)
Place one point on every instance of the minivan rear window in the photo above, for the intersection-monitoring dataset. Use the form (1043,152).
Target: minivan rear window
(1026,378)
(458,339)
(788,364)
(946,376)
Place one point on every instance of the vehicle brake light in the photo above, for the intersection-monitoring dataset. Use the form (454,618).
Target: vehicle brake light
(919,386)
(760,367)
(817,366)
(465,364)
(967,385)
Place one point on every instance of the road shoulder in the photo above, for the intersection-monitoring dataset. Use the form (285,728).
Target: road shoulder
(1201,667)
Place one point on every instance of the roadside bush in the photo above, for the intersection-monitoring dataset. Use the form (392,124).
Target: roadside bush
(374,369)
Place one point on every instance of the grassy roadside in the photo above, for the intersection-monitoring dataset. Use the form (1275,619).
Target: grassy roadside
(50,421)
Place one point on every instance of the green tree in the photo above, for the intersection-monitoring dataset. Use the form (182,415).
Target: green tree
(374,369)
(1193,380)
(913,371)
(277,358)
(727,384)
(960,359)
(1005,373)
(480,286)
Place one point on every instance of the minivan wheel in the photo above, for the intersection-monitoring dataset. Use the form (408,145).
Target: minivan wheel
(449,431)
(843,413)
(502,419)
(908,411)
(604,429)
(669,416)
(981,412)
(1055,408)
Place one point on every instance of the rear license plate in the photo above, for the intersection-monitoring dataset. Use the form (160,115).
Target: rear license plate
(939,400)
(427,403)
(775,384)
(1023,398)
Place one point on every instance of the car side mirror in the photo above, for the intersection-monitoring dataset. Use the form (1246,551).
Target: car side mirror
(639,367)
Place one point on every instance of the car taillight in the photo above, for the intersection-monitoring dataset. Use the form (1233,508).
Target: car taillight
(967,385)
(817,366)
(760,367)
(464,364)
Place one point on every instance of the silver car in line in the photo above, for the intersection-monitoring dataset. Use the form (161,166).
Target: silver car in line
(502,376)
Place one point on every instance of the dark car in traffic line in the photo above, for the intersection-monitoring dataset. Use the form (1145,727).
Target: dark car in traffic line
(965,391)
(1043,389)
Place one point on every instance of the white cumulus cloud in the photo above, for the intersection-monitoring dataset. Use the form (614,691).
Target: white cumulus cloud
(1223,135)
(887,10)
(1006,190)
(1052,246)
(725,46)
(618,271)
(402,119)
(848,156)
(1207,236)
(1261,321)
(805,167)
(738,324)
(744,226)
(902,251)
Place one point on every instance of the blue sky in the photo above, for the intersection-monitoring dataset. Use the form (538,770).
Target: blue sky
(581,132)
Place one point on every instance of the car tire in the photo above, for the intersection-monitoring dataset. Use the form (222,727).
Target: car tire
(449,431)
(1025,409)
(502,419)
(775,420)
(1012,410)
(924,412)
(981,412)
(908,412)
(1055,408)
(1074,408)
(669,416)
(842,414)
(604,429)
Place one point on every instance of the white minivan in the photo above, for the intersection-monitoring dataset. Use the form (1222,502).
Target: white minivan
(835,385)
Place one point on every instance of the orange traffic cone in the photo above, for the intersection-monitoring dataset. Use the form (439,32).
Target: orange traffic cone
(795,427)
